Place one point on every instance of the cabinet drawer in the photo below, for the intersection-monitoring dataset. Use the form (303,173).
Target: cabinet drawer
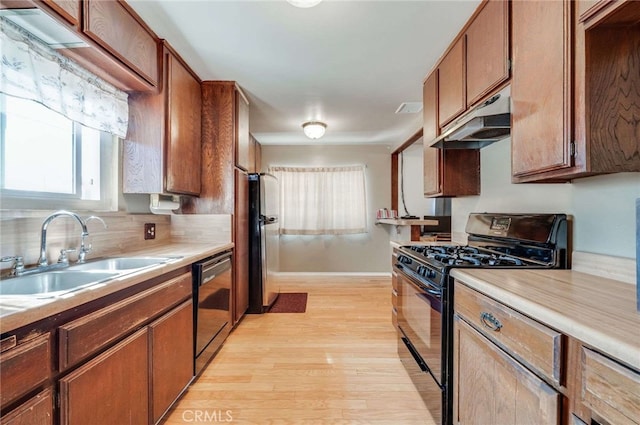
(611,390)
(535,344)
(85,336)
(25,367)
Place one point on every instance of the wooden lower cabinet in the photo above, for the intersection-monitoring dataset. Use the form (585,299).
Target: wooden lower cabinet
(112,388)
(38,410)
(494,388)
(171,357)
(24,368)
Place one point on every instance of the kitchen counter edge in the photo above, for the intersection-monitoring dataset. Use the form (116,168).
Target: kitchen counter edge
(190,253)
(597,311)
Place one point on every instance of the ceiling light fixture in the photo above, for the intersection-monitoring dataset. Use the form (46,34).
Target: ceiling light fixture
(314,129)
(304,3)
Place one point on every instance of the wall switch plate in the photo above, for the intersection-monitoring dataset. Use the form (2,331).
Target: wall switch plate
(149,230)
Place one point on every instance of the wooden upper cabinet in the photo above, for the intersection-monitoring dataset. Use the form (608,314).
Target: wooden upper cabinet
(451,84)
(432,156)
(446,172)
(572,90)
(244,150)
(540,87)
(487,52)
(183,149)
(69,10)
(116,28)
(257,153)
(163,148)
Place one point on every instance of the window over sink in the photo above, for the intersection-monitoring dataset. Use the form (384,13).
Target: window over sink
(49,161)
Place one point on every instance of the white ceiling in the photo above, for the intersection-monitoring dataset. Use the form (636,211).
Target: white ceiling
(347,63)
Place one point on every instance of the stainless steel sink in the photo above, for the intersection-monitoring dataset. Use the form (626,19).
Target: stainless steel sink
(51,284)
(54,283)
(122,263)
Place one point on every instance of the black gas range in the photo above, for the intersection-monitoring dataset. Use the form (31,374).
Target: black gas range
(425,289)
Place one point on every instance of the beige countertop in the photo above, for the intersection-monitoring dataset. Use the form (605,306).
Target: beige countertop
(598,311)
(18,311)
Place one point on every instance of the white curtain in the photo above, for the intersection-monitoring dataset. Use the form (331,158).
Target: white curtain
(32,70)
(322,200)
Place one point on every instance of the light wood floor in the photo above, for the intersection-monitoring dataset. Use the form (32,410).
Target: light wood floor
(334,364)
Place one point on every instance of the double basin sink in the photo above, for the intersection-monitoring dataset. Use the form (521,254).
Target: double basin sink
(49,284)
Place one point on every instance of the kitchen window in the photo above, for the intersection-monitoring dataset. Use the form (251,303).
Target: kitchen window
(322,200)
(49,161)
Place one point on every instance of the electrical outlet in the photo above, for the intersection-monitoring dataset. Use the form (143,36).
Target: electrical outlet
(149,230)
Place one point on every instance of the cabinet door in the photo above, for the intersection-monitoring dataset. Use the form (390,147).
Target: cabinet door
(493,388)
(540,87)
(25,367)
(244,156)
(171,349)
(114,27)
(113,388)
(487,50)
(241,248)
(69,10)
(38,410)
(451,84)
(257,155)
(432,156)
(183,141)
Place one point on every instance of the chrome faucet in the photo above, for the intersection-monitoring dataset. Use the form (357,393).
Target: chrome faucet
(42,261)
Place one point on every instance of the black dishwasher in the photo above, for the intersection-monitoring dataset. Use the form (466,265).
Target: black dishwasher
(212,306)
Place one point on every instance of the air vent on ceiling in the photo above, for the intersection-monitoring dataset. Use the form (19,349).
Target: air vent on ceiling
(409,108)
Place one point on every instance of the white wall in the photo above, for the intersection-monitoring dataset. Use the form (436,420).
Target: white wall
(345,253)
(603,207)
(413,161)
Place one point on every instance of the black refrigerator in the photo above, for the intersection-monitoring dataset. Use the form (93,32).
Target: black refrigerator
(264,236)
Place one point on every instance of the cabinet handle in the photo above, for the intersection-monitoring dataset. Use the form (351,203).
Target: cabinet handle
(8,342)
(490,322)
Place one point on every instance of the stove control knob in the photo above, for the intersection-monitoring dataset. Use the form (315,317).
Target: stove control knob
(431,274)
(404,260)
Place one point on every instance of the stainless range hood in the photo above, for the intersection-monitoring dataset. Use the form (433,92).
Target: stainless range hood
(483,125)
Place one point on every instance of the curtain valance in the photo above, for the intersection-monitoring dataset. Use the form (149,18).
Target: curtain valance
(32,70)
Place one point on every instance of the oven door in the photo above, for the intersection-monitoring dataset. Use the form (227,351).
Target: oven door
(420,325)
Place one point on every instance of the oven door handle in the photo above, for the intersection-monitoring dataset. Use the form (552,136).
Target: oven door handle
(423,366)
(423,286)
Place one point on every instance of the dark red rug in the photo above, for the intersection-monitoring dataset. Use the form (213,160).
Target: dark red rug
(294,302)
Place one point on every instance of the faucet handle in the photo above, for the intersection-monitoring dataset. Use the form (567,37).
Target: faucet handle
(82,255)
(18,265)
(63,259)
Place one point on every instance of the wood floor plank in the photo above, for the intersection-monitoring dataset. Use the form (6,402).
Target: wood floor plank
(334,364)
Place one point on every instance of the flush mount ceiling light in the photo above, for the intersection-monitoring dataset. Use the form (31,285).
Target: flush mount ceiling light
(314,129)
(304,3)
